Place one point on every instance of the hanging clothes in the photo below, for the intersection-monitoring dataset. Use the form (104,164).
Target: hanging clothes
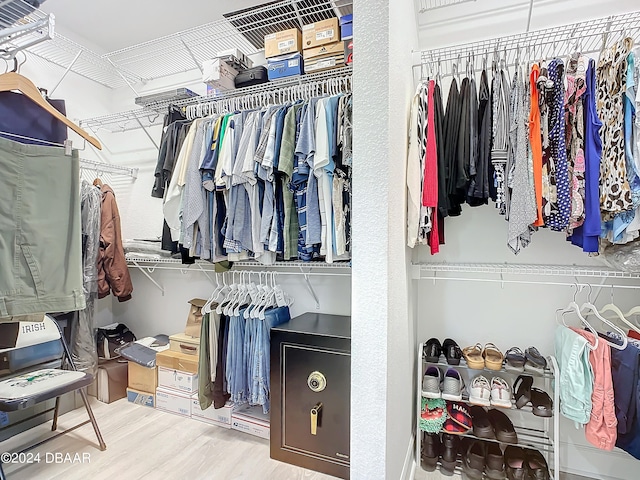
(615,193)
(479,184)
(452,122)
(535,140)
(500,134)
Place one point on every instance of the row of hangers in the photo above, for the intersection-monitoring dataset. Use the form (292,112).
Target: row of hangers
(14,81)
(279,96)
(588,309)
(238,289)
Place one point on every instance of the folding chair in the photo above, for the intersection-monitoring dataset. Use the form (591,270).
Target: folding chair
(34,382)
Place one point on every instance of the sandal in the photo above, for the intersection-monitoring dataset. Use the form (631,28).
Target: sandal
(515,360)
(473,356)
(522,390)
(493,357)
(542,403)
(535,362)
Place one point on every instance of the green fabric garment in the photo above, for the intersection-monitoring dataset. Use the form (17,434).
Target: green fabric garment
(285,165)
(205,385)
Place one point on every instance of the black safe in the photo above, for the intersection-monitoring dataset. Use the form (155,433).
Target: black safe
(310,392)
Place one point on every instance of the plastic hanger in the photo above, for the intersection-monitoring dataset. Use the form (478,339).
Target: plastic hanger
(612,307)
(573,307)
(11,81)
(590,306)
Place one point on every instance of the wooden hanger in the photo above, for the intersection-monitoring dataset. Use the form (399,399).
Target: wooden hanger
(14,81)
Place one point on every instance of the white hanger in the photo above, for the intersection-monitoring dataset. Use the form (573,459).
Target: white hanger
(573,307)
(590,306)
(612,307)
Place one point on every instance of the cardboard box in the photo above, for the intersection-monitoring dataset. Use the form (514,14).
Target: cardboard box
(348,52)
(320,33)
(324,51)
(184,343)
(287,41)
(346,27)
(141,398)
(173,402)
(214,416)
(238,57)
(218,74)
(177,380)
(142,378)
(284,66)
(177,361)
(326,63)
(251,420)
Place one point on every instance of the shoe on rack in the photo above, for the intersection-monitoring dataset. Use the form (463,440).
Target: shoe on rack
(480,391)
(459,420)
(473,357)
(542,405)
(431,350)
(515,463)
(502,426)
(430,452)
(494,462)
(473,460)
(522,390)
(493,357)
(514,360)
(431,382)
(482,427)
(537,466)
(451,351)
(500,393)
(535,362)
(452,385)
(449,453)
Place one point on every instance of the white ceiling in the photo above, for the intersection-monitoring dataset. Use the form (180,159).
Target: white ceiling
(108,25)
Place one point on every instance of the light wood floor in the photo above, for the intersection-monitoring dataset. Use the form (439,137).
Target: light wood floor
(147,444)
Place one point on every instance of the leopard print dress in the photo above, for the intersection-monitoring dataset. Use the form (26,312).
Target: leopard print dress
(615,194)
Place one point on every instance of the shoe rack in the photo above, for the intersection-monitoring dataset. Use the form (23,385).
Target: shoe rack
(539,433)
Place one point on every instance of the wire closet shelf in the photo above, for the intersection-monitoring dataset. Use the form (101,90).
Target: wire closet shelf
(427,5)
(22,26)
(286,89)
(103,167)
(586,37)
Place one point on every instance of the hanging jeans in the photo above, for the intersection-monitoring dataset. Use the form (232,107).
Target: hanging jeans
(41,257)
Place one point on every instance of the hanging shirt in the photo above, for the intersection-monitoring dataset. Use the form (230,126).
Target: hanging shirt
(535,141)
(574,130)
(587,235)
(559,220)
(615,193)
(414,196)
(500,146)
(452,132)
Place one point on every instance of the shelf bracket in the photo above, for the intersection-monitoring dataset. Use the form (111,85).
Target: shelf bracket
(146,132)
(147,274)
(190,52)
(310,288)
(206,274)
(66,72)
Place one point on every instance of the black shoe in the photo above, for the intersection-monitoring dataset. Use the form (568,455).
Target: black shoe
(537,466)
(515,462)
(452,352)
(502,426)
(473,460)
(449,453)
(482,427)
(431,447)
(432,350)
(494,462)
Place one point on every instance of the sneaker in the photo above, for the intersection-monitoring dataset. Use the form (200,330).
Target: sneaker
(480,391)
(452,385)
(500,393)
(431,382)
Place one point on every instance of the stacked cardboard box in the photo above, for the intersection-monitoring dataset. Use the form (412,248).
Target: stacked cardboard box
(177,381)
(142,384)
(282,51)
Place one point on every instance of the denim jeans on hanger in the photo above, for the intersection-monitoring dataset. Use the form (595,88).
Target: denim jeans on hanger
(236,367)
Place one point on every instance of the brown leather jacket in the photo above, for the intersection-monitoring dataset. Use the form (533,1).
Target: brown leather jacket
(113,274)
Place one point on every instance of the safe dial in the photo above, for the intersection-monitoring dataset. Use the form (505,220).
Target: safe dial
(317,381)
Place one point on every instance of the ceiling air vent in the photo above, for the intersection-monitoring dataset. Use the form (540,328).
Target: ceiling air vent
(254,23)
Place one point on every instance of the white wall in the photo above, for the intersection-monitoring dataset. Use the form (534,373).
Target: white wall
(513,315)
(383,335)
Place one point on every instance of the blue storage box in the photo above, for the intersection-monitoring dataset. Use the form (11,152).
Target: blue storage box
(284,66)
(346,27)
(141,398)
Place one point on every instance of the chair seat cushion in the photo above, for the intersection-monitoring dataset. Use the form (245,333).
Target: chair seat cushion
(38,382)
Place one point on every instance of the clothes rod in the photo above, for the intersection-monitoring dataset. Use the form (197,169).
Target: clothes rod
(528,282)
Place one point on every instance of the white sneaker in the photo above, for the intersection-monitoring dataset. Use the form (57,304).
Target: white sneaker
(500,393)
(480,391)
